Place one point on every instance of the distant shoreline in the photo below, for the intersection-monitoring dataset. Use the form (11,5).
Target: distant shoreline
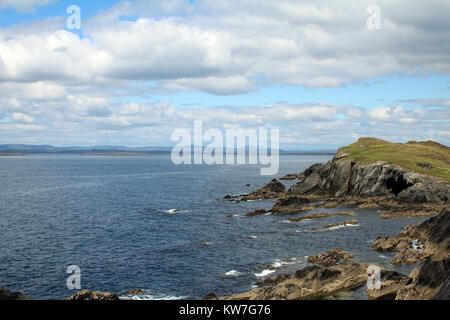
(11,154)
(116,154)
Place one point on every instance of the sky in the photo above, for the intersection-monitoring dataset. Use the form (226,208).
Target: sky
(135,71)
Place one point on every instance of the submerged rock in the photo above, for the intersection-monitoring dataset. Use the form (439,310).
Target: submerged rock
(311,217)
(257,212)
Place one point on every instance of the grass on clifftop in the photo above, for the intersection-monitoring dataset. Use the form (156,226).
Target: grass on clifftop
(412,155)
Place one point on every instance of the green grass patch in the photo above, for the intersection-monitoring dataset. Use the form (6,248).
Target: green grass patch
(428,157)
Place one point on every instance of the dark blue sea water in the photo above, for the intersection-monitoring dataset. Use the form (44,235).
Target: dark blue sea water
(113,217)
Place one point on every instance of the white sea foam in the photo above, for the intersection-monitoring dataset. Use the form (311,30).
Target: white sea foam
(264,273)
(276,264)
(343,226)
(172,211)
(152,296)
(233,273)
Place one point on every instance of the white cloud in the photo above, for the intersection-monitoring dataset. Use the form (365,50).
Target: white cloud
(315,44)
(23,118)
(24,5)
(64,86)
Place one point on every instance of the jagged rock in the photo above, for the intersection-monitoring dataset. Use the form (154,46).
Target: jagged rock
(312,282)
(433,233)
(329,258)
(94,295)
(391,282)
(270,191)
(11,295)
(291,205)
(428,281)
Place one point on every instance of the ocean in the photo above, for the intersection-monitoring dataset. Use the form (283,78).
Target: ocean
(142,222)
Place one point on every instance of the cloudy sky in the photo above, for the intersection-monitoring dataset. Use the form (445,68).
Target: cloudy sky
(137,70)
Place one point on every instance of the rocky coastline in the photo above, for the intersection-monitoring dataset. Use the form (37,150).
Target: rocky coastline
(395,192)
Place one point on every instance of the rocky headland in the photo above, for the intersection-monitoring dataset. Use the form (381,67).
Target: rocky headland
(357,176)
(399,180)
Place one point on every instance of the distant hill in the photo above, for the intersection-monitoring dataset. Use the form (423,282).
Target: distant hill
(427,157)
(27,149)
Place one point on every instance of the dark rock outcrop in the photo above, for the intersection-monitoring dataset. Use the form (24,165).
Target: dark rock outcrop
(291,204)
(342,176)
(428,281)
(272,190)
(94,295)
(11,295)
